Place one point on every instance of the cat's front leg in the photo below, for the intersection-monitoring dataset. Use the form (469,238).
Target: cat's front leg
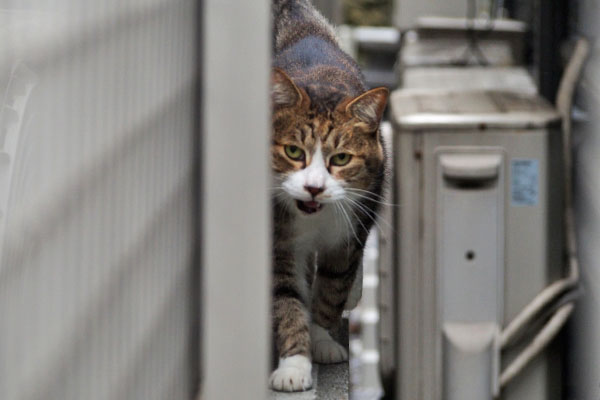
(291,328)
(335,275)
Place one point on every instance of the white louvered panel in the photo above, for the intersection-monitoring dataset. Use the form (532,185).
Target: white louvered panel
(97,124)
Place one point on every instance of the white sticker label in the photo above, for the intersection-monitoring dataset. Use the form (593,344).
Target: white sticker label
(524,182)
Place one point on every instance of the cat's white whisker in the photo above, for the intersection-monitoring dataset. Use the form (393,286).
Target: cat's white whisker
(374,216)
(338,213)
(367,197)
(365,191)
(354,203)
(356,216)
(350,223)
(347,237)
(371,198)
(359,221)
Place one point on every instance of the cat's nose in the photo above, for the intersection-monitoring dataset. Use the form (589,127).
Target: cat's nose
(313,190)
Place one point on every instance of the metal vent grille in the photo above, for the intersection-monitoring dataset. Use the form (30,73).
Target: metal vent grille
(96,190)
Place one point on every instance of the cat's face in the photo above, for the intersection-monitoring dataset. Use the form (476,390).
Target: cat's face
(324,159)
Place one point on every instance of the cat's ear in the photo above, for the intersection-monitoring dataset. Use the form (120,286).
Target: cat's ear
(284,92)
(369,106)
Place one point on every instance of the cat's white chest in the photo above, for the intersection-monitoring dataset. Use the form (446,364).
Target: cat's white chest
(315,234)
(323,231)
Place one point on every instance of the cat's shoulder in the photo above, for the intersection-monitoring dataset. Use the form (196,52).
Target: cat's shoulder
(294,20)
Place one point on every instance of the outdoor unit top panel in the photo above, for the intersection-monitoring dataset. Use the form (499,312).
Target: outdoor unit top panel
(377,37)
(445,50)
(464,24)
(420,109)
(513,79)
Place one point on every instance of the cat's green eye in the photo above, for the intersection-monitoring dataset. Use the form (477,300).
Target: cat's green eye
(294,152)
(341,159)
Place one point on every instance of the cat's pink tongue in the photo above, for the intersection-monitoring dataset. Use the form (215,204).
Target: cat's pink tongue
(309,207)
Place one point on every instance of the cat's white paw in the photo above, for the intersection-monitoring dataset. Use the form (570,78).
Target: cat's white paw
(292,375)
(324,349)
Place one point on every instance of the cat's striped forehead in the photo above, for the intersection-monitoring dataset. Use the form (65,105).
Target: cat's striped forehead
(306,130)
(331,133)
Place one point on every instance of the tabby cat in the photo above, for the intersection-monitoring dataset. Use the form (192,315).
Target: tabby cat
(328,163)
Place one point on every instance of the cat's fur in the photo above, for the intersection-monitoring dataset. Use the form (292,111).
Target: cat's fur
(321,212)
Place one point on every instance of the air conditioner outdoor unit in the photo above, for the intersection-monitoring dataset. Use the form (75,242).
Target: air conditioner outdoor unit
(478,235)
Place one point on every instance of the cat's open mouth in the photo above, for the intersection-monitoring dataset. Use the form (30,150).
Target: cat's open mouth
(309,207)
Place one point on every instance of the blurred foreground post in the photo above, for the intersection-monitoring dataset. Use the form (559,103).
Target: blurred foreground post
(235,234)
